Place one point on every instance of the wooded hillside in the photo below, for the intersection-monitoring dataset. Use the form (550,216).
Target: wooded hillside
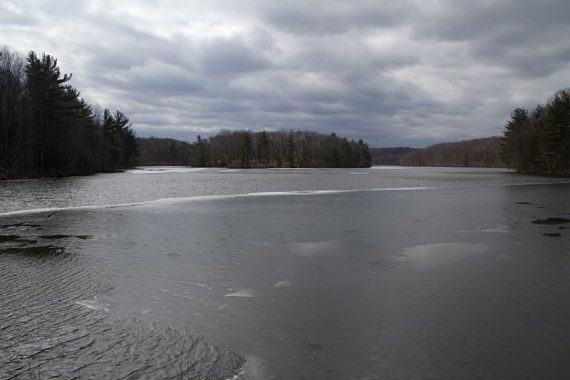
(473,153)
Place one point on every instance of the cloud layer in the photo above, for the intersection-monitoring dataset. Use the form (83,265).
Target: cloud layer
(392,72)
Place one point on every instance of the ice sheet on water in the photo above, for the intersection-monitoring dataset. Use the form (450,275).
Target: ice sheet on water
(203,198)
(163,169)
(388,167)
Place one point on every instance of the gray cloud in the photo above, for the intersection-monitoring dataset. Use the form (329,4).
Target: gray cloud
(394,72)
(231,56)
(336,17)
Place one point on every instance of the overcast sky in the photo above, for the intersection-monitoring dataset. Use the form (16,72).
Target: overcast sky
(393,72)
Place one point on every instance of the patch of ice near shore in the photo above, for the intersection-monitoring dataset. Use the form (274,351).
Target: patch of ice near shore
(164,169)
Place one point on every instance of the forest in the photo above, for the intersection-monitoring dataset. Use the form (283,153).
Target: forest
(469,153)
(263,149)
(156,151)
(538,142)
(48,130)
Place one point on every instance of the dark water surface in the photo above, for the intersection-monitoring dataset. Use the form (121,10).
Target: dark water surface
(413,273)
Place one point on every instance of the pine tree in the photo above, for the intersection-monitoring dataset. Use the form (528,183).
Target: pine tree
(556,133)
(46,90)
(511,142)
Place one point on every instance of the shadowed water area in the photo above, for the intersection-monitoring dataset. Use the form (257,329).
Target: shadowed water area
(320,274)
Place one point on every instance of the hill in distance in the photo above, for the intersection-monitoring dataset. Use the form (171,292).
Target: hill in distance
(389,156)
(480,153)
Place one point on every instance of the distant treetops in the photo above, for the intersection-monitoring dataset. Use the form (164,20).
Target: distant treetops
(270,149)
(539,142)
(46,129)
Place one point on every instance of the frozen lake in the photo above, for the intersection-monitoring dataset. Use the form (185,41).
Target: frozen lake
(288,274)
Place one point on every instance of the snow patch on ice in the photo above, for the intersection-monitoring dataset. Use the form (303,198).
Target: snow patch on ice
(243,293)
(388,167)
(500,229)
(281,284)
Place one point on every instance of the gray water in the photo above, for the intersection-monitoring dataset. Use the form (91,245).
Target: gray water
(288,274)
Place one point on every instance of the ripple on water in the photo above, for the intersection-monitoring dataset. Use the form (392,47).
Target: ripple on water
(52,325)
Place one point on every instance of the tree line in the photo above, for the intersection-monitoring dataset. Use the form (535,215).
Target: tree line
(538,142)
(278,149)
(164,152)
(389,156)
(469,153)
(47,129)
(264,149)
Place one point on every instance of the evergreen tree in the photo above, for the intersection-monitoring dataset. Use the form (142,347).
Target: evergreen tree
(46,90)
(511,144)
(556,133)
(539,143)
